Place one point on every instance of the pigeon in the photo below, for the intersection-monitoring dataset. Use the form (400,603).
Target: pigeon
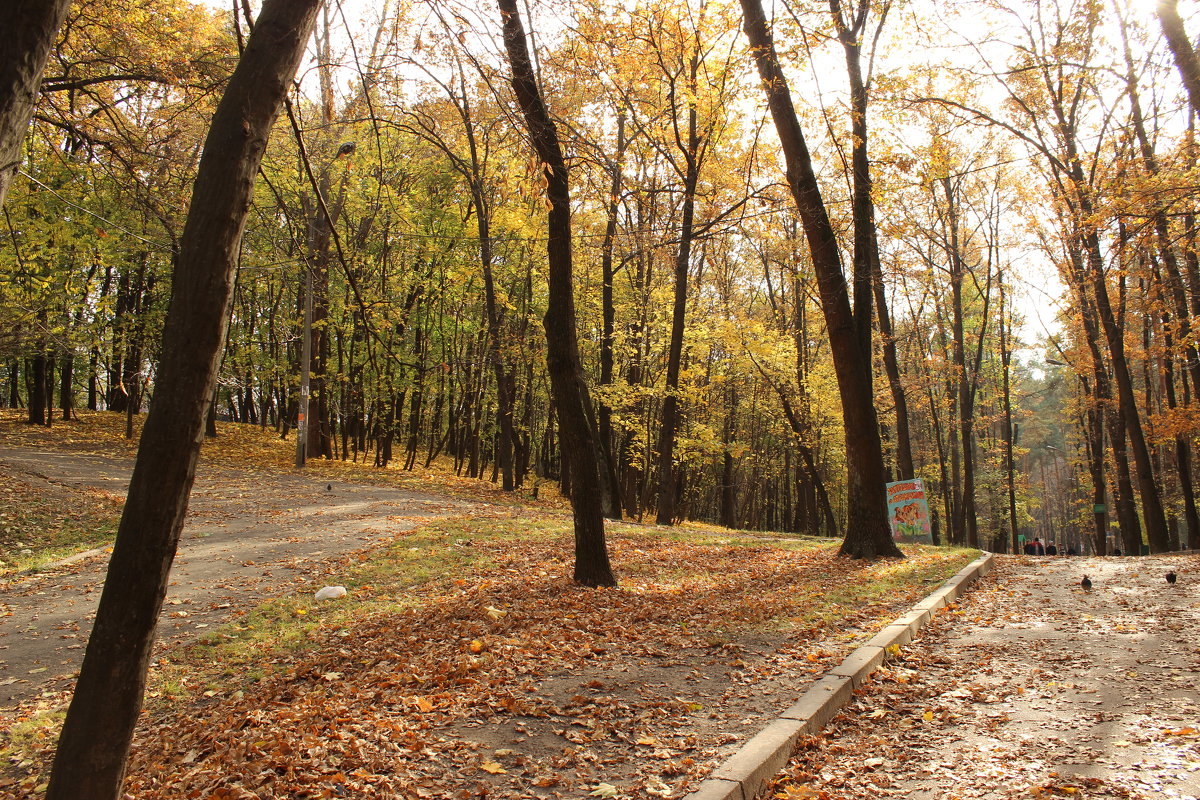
(1171,577)
(329,487)
(1086,583)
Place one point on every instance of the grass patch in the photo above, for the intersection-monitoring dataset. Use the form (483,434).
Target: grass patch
(275,635)
(23,748)
(42,522)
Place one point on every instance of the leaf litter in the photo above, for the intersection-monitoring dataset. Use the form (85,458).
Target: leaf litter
(644,688)
(465,664)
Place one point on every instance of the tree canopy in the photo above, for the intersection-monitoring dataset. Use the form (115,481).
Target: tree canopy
(1010,196)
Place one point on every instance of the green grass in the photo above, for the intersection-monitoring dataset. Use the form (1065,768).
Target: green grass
(279,630)
(41,524)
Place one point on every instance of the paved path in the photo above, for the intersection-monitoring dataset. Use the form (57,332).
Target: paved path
(248,536)
(1031,687)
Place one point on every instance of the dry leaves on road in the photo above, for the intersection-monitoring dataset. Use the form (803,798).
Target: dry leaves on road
(1030,687)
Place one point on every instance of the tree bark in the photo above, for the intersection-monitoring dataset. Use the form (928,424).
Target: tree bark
(965,523)
(667,474)
(867,532)
(573,404)
(94,744)
(30,29)
(1181,48)
(609,320)
(1006,398)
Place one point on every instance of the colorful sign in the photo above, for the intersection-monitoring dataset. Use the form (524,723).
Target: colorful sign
(908,511)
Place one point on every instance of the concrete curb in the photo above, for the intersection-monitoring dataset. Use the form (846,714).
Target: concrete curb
(20,576)
(744,773)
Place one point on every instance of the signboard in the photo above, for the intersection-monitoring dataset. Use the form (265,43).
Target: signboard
(908,511)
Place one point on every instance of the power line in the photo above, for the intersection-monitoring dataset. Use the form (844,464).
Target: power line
(165,248)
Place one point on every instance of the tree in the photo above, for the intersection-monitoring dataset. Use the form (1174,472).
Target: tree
(576,417)
(30,27)
(868,534)
(1181,47)
(94,744)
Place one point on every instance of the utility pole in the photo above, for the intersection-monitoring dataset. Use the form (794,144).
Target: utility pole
(305,367)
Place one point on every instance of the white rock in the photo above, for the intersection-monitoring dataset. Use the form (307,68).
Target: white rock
(330,593)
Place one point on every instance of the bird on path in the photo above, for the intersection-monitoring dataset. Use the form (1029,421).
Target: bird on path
(1171,577)
(329,487)
(1086,583)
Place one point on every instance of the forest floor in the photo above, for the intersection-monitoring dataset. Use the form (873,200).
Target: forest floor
(463,662)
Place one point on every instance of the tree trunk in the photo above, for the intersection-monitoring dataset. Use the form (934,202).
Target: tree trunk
(608,321)
(1181,48)
(1152,509)
(94,744)
(36,368)
(965,523)
(576,417)
(1010,479)
(14,387)
(667,474)
(30,29)
(868,534)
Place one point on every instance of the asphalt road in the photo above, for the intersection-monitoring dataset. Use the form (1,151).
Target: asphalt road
(1031,687)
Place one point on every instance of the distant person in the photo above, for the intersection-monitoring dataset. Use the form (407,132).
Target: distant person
(1117,552)
(1039,549)
(1052,549)
(1071,550)
(1030,550)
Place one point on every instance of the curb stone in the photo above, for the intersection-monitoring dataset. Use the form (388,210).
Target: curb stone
(743,774)
(19,576)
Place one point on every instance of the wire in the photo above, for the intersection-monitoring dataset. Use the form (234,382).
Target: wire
(165,248)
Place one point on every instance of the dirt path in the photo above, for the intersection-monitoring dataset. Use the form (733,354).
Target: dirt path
(1031,687)
(249,535)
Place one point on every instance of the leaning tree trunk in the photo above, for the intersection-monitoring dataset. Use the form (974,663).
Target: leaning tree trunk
(867,532)
(30,27)
(94,744)
(1181,47)
(576,418)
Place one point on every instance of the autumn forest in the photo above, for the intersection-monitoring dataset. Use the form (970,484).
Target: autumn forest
(981,218)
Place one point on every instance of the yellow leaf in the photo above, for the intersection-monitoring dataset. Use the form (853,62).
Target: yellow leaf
(927,716)
(649,741)
(794,792)
(424,706)
(492,767)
